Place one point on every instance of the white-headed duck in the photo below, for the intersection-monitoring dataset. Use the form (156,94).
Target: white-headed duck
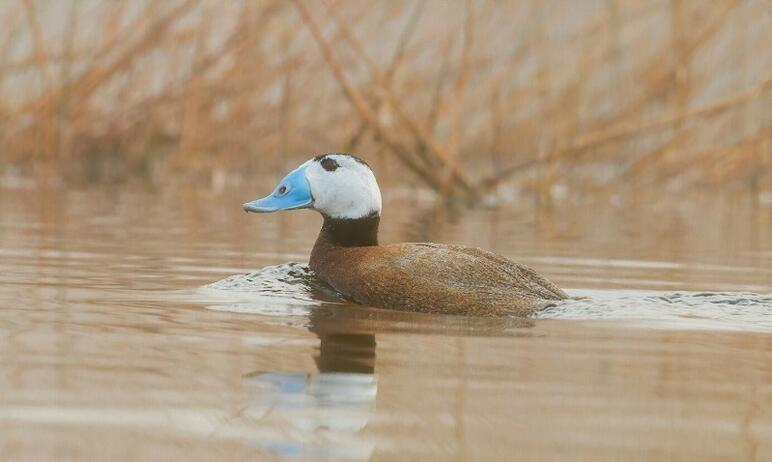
(430,278)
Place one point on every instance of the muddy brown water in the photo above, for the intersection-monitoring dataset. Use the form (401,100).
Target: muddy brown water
(141,325)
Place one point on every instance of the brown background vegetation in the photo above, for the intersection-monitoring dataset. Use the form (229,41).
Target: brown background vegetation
(550,96)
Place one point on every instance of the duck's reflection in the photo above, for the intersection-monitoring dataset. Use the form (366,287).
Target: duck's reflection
(330,406)
(342,349)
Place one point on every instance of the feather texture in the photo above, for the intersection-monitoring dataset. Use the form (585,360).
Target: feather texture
(433,278)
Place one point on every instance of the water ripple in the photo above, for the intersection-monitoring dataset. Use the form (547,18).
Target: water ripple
(712,310)
(285,289)
(282,289)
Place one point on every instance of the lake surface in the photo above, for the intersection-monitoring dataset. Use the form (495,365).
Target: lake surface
(169,325)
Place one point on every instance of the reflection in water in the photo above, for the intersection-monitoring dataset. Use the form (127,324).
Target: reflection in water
(342,349)
(339,399)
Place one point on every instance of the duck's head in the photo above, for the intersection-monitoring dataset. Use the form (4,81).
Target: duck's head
(339,186)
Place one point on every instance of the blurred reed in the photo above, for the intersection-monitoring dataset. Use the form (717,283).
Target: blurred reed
(554,97)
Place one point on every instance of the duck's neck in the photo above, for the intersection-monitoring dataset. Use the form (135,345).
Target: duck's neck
(346,232)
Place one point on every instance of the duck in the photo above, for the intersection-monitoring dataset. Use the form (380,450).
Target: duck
(419,277)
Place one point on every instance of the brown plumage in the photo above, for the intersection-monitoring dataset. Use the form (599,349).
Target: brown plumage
(429,278)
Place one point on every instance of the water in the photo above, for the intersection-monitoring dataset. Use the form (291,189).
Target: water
(169,325)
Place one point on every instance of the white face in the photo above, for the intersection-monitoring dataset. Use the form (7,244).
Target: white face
(343,187)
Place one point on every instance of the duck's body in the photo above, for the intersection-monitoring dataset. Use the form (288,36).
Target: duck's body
(422,277)
(429,278)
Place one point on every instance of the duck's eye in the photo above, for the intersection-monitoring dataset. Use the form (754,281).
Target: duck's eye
(282,190)
(329,164)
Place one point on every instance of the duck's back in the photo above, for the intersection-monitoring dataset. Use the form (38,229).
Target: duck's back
(434,278)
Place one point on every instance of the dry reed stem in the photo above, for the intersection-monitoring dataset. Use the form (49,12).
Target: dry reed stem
(657,78)
(403,41)
(358,101)
(91,82)
(650,160)
(98,100)
(437,96)
(376,74)
(49,139)
(38,44)
(439,155)
(108,46)
(458,91)
(192,112)
(627,130)
(388,76)
(715,165)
